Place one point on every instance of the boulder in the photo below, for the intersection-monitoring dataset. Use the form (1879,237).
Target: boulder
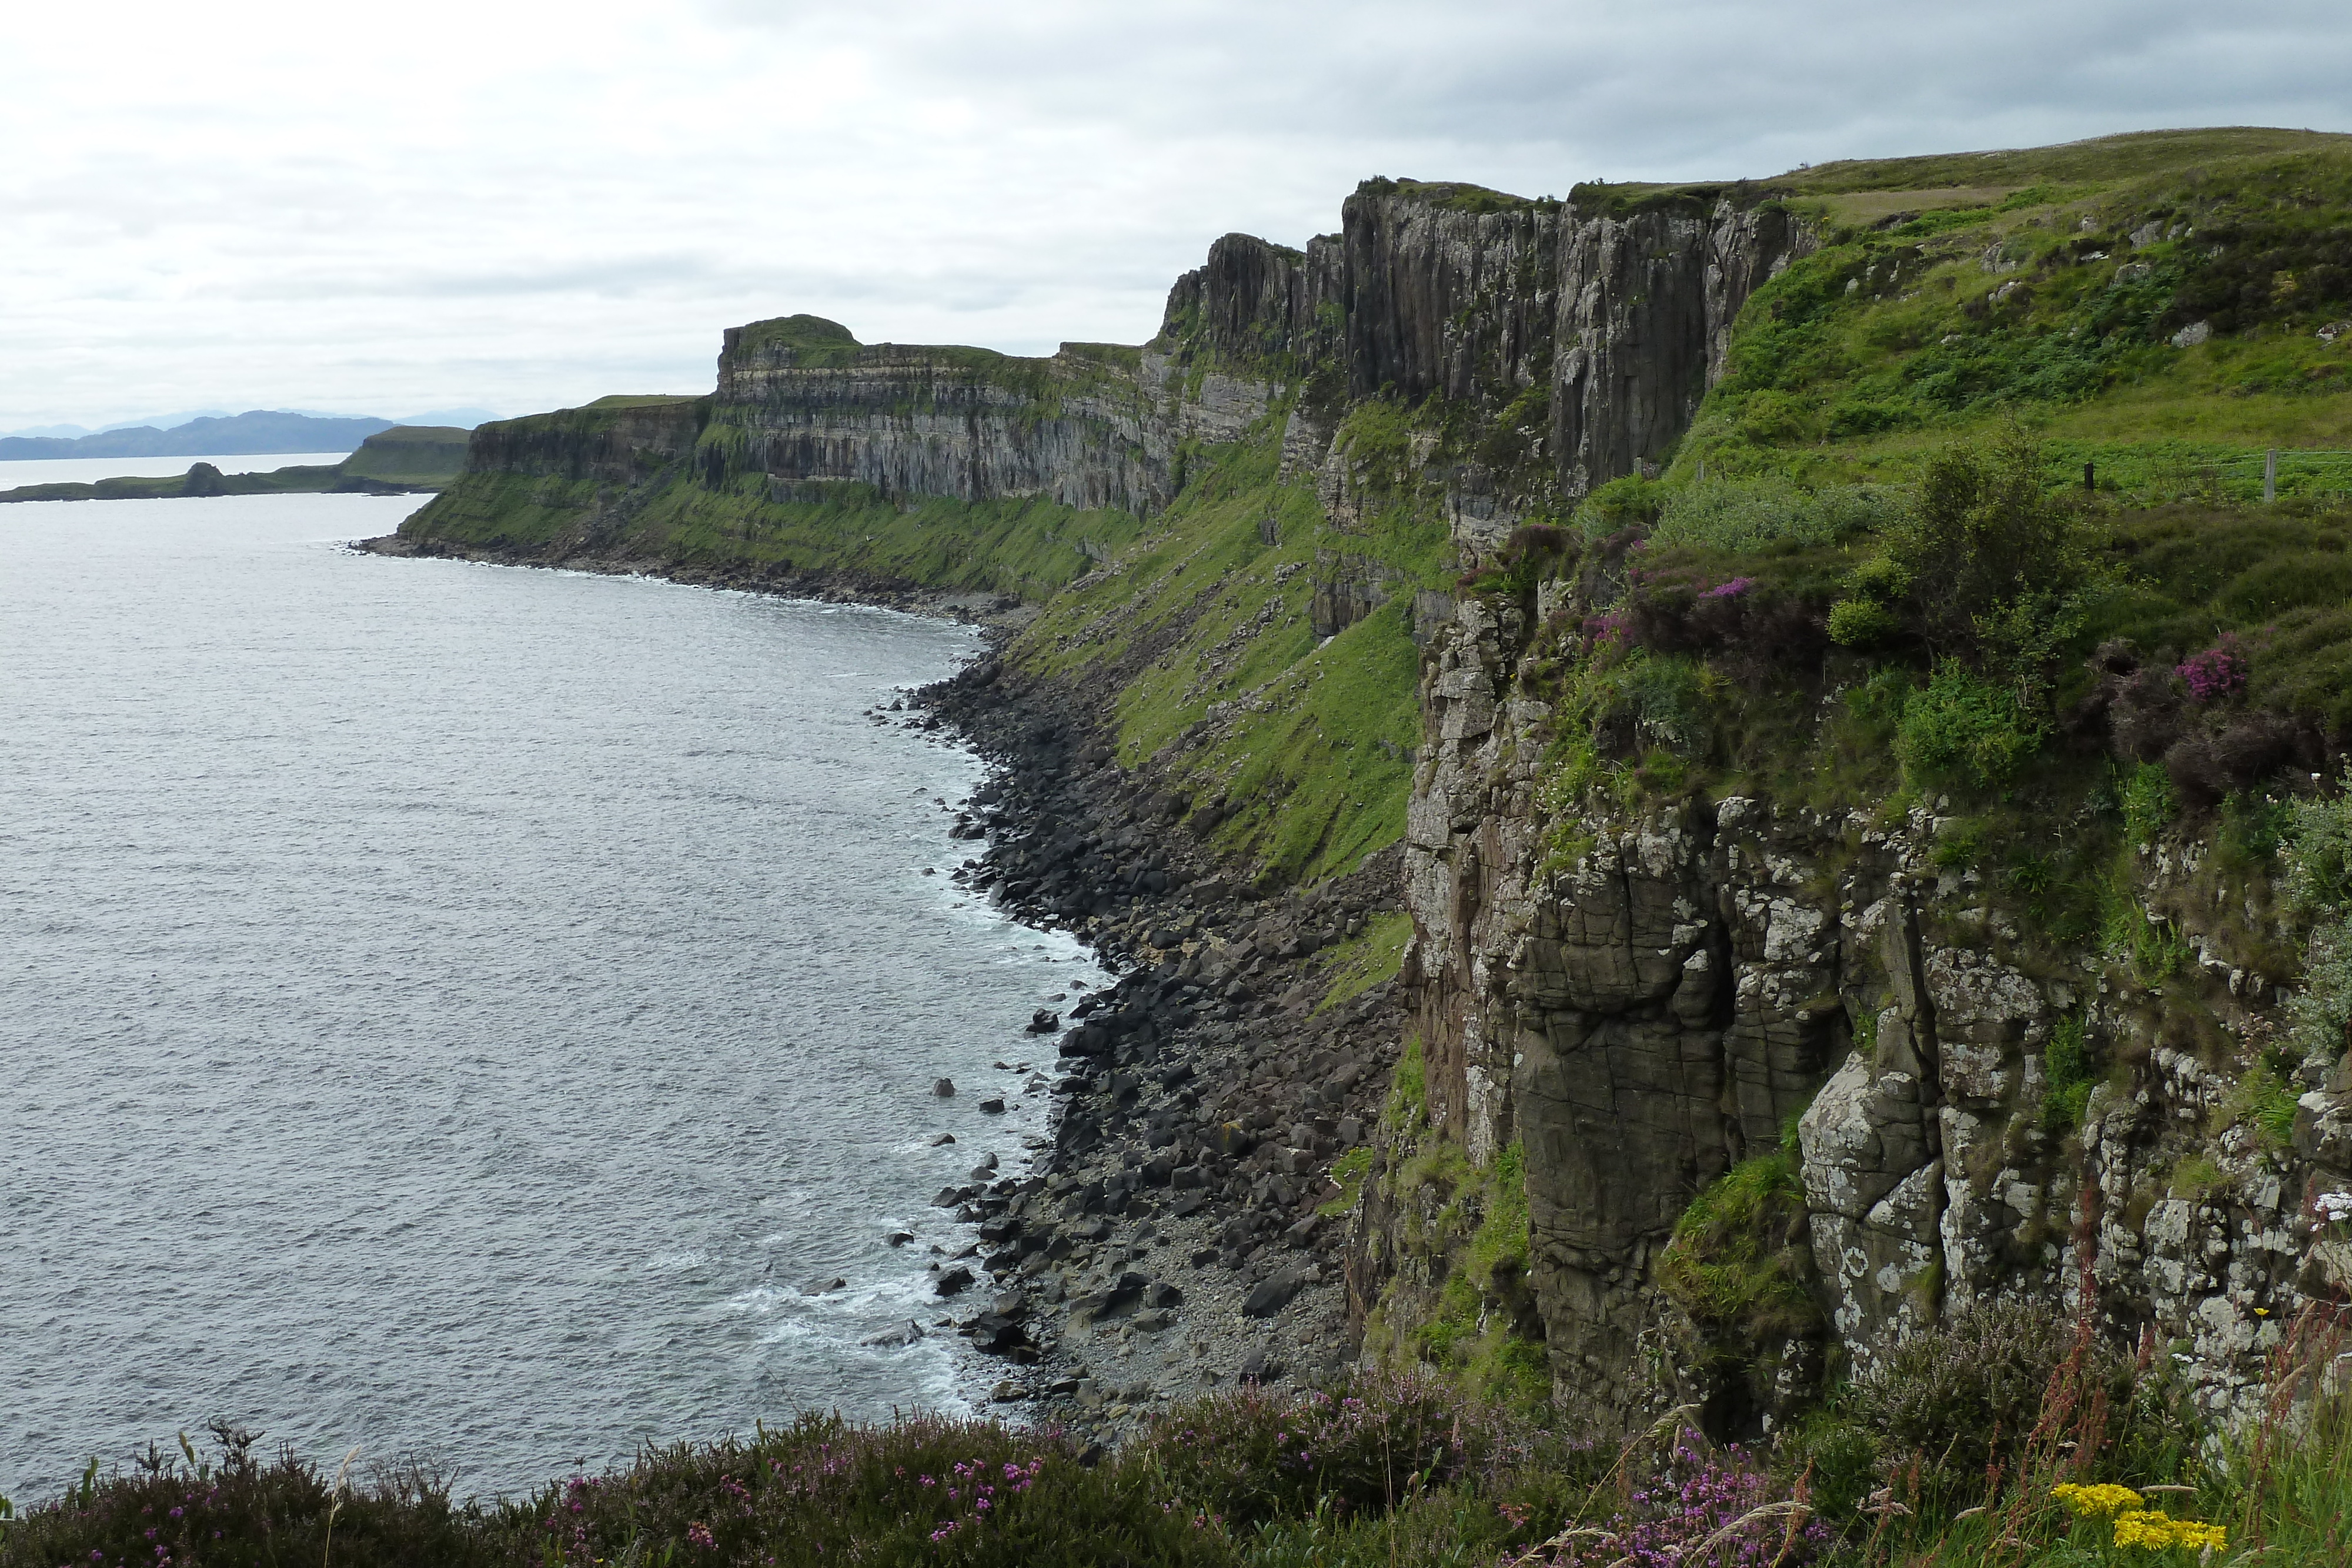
(1273,1293)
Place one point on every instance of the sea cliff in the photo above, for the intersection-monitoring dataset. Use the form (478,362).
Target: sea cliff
(1610,911)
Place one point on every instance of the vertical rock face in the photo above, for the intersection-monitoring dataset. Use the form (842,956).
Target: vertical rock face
(1646,307)
(1441,299)
(1253,300)
(1642,999)
(1590,335)
(802,401)
(609,444)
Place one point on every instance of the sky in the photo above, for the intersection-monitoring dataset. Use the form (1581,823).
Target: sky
(526,206)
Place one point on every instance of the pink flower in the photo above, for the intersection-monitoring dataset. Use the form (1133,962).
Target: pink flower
(2219,672)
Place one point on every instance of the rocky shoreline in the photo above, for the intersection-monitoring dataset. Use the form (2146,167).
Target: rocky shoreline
(1170,1238)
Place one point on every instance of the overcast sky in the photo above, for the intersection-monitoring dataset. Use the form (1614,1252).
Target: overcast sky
(525,206)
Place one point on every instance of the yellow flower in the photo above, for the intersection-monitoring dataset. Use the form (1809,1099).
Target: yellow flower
(2197,1536)
(2100,1502)
(2158,1531)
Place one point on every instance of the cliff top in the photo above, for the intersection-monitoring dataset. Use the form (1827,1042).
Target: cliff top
(2102,159)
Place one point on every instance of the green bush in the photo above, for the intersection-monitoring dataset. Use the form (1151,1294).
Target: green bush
(1995,569)
(2254,828)
(1861,623)
(2320,1012)
(2319,836)
(2319,879)
(1620,504)
(1256,1455)
(1962,730)
(238,1510)
(1737,1262)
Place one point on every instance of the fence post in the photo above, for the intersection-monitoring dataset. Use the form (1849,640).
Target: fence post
(2270,474)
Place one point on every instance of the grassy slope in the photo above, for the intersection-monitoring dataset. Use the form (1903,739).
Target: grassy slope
(1222,678)
(1885,343)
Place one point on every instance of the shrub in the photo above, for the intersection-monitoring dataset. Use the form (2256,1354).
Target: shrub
(1704,1508)
(1859,623)
(238,1510)
(1962,730)
(1963,1395)
(2066,1065)
(1738,1260)
(2145,714)
(1755,633)
(1631,502)
(1996,569)
(2218,673)
(2319,866)
(2319,1014)
(1254,1454)
(923,1488)
(2253,829)
(2206,767)
(2265,1100)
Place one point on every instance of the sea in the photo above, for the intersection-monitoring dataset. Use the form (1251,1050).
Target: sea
(473,1013)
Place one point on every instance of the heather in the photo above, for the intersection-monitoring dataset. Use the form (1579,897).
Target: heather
(1381,1470)
(2003,1438)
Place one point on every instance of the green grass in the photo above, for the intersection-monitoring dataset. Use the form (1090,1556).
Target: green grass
(1360,962)
(1305,740)
(625,400)
(1736,1264)
(1886,342)
(1463,1302)
(1028,549)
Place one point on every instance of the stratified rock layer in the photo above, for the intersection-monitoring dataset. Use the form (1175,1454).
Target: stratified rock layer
(1643,999)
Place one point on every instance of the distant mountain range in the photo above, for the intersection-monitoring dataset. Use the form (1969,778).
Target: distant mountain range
(228,435)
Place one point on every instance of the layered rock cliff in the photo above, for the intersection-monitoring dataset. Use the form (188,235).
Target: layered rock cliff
(1585,338)
(1643,998)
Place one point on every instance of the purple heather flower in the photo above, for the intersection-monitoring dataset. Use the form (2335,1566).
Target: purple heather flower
(2219,672)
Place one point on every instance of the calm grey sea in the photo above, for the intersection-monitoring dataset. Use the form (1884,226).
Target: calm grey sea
(454,1008)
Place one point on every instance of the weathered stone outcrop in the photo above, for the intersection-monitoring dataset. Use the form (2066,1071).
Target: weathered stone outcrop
(1644,997)
(1087,428)
(1644,327)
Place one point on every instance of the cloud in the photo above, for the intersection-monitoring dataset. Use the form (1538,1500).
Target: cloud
(259,204)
